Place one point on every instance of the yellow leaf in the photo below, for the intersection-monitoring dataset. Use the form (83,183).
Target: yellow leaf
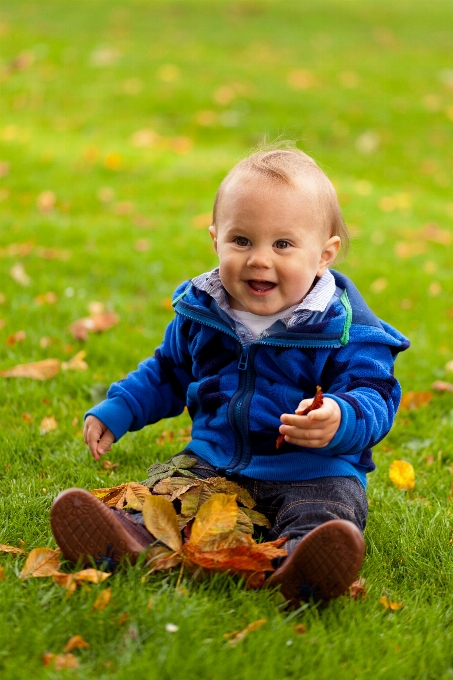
(402,474)
(48,424)
(38,370)
(391,605)
(217,516)
(413,400)
(102,600)
(41,562)
(11,549)
(77,362)
(91,575)
(135,496)
(161,521)
(238,635)
(111,496)
(76,642)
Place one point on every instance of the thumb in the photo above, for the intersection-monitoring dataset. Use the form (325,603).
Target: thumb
(303,405)
(105,442)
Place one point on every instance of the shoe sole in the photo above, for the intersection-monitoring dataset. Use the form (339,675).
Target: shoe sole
(323,566)
(85,528)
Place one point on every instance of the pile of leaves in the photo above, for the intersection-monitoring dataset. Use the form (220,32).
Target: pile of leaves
(198,524)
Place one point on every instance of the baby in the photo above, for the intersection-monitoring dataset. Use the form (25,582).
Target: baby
(248,345)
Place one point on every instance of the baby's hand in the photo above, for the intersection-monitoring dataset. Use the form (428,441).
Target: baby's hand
(316,429)
(97,436)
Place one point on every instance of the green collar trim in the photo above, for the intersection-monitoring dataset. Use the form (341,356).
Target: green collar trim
(348,321)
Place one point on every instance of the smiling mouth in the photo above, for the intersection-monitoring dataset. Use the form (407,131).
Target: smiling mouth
(261,286)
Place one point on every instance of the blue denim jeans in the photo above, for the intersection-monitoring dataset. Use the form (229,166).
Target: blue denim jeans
(295,508)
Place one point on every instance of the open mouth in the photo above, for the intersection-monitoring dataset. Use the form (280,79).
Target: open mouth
(261,286)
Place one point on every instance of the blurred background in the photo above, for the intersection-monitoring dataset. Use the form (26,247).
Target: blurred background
(119,120)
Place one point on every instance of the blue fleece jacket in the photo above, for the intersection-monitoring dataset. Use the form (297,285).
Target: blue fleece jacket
(236,393)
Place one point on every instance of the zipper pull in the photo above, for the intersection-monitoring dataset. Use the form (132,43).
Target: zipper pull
(242,366)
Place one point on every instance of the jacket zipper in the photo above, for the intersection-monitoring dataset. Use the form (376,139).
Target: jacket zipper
(240,402)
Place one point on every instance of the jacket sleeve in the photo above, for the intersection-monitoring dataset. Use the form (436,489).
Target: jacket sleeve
(156,390)
(360,379)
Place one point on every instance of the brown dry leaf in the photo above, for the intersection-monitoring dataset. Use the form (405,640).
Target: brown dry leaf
(135,496)
(96,323)
(244,524)
(41,562)
(239,635)
(106,464)
(91,575)
(19,336)
(11,549)
(222,485)
(27,417)
(257,518)
(160,558)
(66,581)
(102,600)
(215,517)
(358,589)
(111,496)
(18,273)
(394,606)
(38,370)
(413,400)
(442,386)
(175,486)
(76,642)
(402,474)
(300,629)
(403,249)
(48,424)
(77,362)
(241,560)
(2,574)
(194,498)
(161,521)
(60,661)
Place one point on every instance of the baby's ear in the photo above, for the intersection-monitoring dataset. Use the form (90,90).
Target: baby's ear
(329,254)
(213,234)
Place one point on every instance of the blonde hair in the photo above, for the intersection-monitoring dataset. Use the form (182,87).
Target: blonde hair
(282,162)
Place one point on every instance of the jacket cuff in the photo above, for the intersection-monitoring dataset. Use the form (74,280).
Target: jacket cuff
(341,442)
(115,414)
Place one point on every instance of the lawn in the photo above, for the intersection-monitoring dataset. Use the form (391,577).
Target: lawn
(119,119)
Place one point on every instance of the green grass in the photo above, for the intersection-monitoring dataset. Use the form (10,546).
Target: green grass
(97,73)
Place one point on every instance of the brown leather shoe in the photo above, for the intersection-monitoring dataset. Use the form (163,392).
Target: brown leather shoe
(324,564)
(84,527)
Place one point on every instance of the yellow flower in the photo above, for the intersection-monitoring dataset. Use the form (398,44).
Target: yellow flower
(402,474)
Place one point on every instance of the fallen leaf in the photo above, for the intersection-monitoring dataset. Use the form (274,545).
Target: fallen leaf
(135,496)
(222,485)
(60,661)
(403,249)
(19,336)
(46,299)
(413,400)
(77,362)
(76,642)
(237,636)
(402,474)
(48,424)
(102,600)
(11,549)
(107,464)
(27,418)
(442,386)
(96,323)
(160,558)
(300,629)
(38,370)
(391,605)
(110,496)
(2,574)
(41,562)
(215,517)
(18,273)
(71,581)
(46,201)
(358,589)
(160,519)
(257,518)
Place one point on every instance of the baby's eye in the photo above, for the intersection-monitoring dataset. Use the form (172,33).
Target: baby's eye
(241,241)
(282,244)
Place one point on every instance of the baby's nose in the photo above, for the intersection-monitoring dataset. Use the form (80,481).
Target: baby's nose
(259,257)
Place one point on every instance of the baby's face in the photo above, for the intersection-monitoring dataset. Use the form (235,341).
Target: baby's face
(270,245)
